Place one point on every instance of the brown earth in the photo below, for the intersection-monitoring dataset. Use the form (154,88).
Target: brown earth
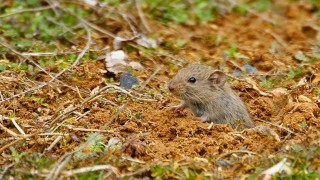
(150,132)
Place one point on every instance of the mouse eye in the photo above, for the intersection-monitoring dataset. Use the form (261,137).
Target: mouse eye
(192,80)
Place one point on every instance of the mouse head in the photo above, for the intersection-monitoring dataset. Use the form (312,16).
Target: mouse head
(197,80)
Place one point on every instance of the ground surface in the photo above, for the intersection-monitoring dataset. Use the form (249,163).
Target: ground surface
(148,133)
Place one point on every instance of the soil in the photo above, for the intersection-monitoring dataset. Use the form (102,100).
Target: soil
(148,130)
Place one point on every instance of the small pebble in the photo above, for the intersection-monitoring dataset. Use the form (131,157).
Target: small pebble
(127,80)
(249,69)
(236,73)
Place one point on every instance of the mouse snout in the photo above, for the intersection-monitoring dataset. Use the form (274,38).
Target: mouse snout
(175,88)
(170,86)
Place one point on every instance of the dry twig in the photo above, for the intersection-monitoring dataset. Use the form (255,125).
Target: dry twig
(8,131)
(62,162)
(91,169)
(27,10)
(17,126)
(11,144)
(276,125)
(151,76)
(277,38)
(115,116)
(6,169)
(52,144)
(28,136)
(140,171)
(87,130)
(143,20)
(255,87)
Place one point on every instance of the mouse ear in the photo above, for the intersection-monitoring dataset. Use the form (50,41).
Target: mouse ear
(217,78)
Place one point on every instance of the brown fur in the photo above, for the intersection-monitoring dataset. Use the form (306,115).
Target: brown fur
(210,97)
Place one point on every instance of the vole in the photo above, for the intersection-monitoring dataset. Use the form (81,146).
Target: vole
(206,92)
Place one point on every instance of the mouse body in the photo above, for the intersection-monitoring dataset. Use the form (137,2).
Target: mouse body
(205,91)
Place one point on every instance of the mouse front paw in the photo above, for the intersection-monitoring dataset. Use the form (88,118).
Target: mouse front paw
(201,118)
(177,107)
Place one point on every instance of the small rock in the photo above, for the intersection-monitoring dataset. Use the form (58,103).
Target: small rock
(127,80)
(147,42)
(236,73)
(249,69)
(115,57)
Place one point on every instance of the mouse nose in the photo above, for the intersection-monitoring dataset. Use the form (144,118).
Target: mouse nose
(170,87)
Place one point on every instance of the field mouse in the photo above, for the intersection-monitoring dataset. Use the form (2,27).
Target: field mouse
(206,92)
